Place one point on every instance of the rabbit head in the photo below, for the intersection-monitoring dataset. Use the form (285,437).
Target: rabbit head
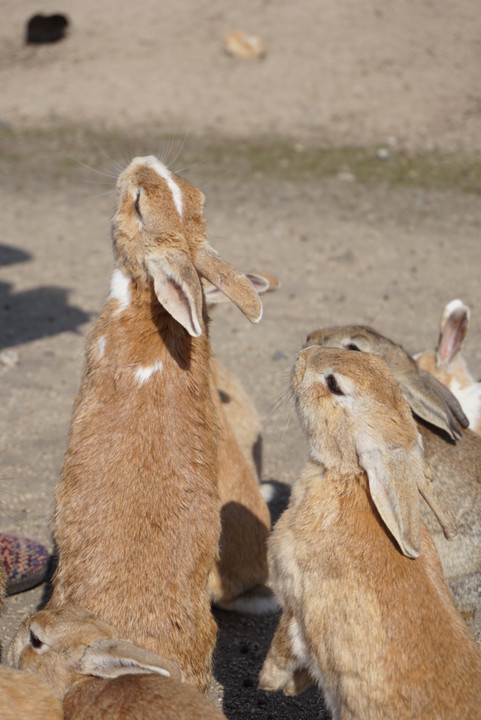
(357,420)
(63,644)
(427,397)
(159,238)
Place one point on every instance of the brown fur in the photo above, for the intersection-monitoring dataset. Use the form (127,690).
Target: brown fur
(24,696)
(241,415)
(241,568)
(376,630)
(97,675)
(455,464)
(137,517)
(137,697)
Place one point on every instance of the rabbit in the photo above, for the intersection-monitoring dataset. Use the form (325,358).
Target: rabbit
(448,365)
(454,454)
(25,696)
(238,408)
(367,614)
(98,675)
(137,515)
(239,579)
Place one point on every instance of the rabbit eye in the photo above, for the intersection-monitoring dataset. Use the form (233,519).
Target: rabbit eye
(352,346)
(332,385)
(137,204)
(35,641)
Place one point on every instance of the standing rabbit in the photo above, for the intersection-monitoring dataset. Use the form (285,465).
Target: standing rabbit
(447,364)
(137,510)
(98,675)
(453,453)
(366,614)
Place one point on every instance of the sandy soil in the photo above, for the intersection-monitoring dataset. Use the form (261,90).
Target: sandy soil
(365,246)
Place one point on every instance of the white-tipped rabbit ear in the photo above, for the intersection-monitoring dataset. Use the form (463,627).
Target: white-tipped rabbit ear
(230,282)
(454,328)
(111,658)
(177,286)
(391,473)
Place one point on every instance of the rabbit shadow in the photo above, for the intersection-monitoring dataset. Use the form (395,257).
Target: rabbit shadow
(32,314)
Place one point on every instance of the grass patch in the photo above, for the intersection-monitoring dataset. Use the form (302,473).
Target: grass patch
(60,152)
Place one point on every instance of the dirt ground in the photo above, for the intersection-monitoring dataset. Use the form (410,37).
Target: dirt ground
(347,162)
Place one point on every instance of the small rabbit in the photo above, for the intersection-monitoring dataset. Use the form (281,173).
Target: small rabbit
(137,510)
(25,696)
(453,454)
(238,581)
(448,365)
(98,675)
(366,613)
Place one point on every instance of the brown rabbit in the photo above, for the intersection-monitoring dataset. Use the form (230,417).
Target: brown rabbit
(448,365)
(239,577)
(98,675)
(366,614)
(455,463)
(238,408)
(137,516)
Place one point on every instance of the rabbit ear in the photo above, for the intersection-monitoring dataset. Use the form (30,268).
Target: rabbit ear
(440,510)
(261,282)
(232,283)
(111,658)
(391,474)
(177,286)
(432,401)
(454,328)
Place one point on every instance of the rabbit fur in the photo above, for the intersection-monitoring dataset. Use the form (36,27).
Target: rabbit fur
(455,463)
(238,581)
(25,696)
(137,509)
(447,364)
(98,675)
(366,612)
(238,408)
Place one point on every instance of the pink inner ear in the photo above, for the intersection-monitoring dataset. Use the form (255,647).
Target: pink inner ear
(452,338)
(179,303)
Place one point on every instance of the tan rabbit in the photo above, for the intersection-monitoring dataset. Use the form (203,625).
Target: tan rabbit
(137,516)
(238,408)
(98,675)
(456,465)
(245,515)
(25,696)
(448,365)
(366,614)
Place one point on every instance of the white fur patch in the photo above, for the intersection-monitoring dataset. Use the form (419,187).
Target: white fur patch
(268,491)
(159,167)
(120,289)
(454,305)
(142,374)
(469,399)
(101,346)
